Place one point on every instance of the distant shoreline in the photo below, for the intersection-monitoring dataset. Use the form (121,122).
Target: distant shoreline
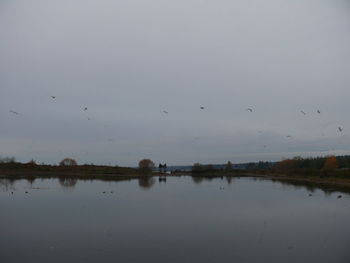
(325,183)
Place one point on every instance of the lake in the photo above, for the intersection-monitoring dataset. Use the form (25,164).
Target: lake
(180,220)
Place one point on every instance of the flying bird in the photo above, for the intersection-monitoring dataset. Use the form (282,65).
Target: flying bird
(85,109)
(289,136)
(303,112)
(164,111)
(202,108)
(340,129)
(14,112)
(249,109)
(53,97)
(318,111)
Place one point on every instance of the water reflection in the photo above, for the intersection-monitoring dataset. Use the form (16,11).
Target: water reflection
(146,182)
(31,179)
(310,186)
(162,179)
(67,182)
(200,179)
(7,184)
(197,179)
(287,183)
(253,220)
(229,179)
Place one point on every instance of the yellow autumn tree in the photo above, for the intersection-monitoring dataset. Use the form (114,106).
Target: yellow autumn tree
(285,165)
(331,163)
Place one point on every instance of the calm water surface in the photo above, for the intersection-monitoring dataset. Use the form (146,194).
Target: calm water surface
(180,220)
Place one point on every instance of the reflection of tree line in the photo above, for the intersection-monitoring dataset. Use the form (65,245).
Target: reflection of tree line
(308,185)
(200,179)
(146,182)
(7,184)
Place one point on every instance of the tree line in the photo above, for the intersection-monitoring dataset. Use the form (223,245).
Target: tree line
(320,166)
(70,165)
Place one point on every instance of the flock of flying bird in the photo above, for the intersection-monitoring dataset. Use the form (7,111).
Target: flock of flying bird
(53,97)
(340,129)
(304,113)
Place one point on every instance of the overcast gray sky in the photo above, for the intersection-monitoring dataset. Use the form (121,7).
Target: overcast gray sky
(129,60)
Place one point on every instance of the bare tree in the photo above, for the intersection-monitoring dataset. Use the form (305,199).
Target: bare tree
(68,162)
(146,166)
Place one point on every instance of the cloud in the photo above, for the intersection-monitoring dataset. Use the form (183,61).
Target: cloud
(129,60)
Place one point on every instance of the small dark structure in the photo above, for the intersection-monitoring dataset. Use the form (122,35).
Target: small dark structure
(162,168)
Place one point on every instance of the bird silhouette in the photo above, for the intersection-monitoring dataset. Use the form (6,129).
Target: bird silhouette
(249,109)
(85,109)
(164,111)
(202,108)
(303,112)
(318,111)
(53,97)
(14,112)
(289,136)
(340,129)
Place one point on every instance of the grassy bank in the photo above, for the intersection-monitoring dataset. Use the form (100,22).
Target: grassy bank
(79,171)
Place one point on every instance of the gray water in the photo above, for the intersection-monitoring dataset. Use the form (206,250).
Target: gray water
(182,220)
